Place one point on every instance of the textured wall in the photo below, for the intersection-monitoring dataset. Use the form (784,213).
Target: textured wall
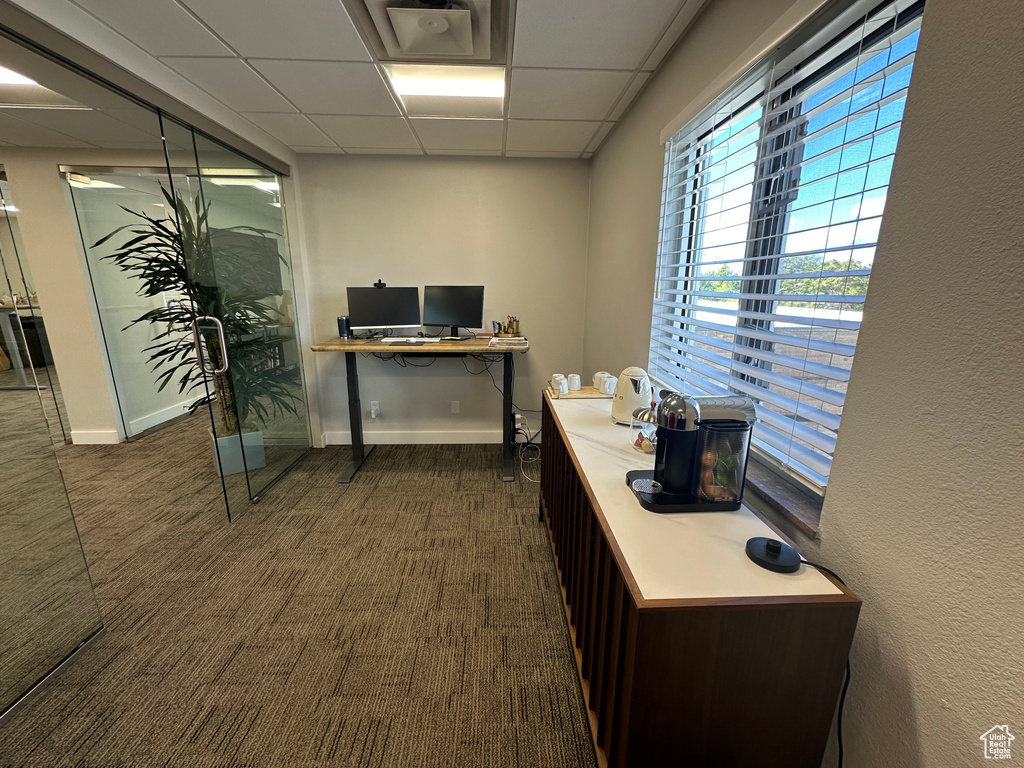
(923,513)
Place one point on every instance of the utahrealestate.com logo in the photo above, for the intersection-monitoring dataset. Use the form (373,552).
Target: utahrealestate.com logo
(997,742)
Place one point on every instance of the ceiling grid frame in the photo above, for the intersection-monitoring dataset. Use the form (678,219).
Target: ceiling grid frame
(302,124)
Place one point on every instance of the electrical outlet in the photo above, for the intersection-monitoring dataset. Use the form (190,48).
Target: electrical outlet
(520,421)
(456,407)
(374,409)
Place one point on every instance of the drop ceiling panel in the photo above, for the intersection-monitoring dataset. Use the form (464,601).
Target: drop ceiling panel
(367,132)
(137,117)
(378,151)
(627,98)
(451,134)
(466,152)
(87,126)
(232,82)
(537,153)
(166,29)
(588,34)
(549,135)
(330,87)
(676,30)
(24,134)
(599,136)
(286,29)
(320,150)
(564,94)
(293,130)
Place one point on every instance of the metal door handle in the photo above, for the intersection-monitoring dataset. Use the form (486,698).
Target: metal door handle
(220,336)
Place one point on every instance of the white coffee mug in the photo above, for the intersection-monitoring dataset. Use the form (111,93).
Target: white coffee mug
(599,378)
(608,385)
(558,383)
(574,382)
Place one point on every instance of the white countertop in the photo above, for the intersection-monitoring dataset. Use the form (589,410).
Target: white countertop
(672,556)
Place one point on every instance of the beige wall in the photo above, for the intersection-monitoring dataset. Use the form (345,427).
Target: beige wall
(921,515)
(518,227)
(52,247)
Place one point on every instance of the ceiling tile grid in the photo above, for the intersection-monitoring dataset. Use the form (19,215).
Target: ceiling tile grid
(306,74)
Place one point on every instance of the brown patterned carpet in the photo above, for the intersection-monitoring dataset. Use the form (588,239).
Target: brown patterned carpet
(412,618)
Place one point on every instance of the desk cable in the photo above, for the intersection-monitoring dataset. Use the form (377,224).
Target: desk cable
(846,677)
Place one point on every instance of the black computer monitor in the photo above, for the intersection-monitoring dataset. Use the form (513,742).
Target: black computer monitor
(383,308)
(454,305)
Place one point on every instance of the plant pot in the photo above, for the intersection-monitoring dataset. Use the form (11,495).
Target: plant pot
(229,451)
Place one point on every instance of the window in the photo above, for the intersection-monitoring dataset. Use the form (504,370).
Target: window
(771,208)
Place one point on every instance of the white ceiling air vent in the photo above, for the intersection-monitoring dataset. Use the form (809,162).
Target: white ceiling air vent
(433,29)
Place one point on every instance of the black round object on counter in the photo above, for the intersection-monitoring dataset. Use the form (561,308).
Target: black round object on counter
(773,555)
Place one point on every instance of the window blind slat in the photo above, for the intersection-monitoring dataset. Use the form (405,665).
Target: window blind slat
(780,401)
(798,364)
(829,298)
(771,205)
(810,321)
(798,386)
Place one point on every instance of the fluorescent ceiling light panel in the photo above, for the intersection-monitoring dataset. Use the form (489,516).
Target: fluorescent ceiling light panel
(46,106)
(436,80)
(435,90)
(10,77)
(79,181)
(245,181)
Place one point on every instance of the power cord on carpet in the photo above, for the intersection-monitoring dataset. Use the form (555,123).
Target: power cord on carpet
(846,677)
(524,447)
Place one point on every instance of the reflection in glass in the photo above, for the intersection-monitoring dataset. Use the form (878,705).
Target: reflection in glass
(47,607)
(19,306)
(254,299)
(138,317)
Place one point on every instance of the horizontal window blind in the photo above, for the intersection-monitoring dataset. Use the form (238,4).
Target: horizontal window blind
(771,208)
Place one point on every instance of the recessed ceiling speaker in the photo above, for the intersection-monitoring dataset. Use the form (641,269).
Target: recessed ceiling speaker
(421,31)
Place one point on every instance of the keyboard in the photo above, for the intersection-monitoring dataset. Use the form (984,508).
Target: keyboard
(408,339)
(515,341)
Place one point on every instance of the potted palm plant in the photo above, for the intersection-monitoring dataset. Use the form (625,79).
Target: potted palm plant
(215,273)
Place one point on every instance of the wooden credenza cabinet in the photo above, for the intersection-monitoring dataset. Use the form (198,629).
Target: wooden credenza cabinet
(689,654)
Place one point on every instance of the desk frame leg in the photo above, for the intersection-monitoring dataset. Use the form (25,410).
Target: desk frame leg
(508,467)
(360,452)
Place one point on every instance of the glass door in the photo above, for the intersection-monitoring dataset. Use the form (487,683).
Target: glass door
(47,606)
(19,305)
(245,323)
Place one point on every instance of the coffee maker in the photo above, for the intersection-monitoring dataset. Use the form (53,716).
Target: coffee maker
(701,457)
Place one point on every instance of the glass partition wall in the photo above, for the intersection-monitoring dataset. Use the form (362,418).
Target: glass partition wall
(47,606)
(19,306)
(193,258)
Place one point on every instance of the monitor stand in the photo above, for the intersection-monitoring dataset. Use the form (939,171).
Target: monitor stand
(455,335)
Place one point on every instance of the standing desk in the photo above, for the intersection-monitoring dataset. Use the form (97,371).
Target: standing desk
(352,348)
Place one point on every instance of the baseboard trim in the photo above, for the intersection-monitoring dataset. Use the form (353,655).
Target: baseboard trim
(156,418)
(95,437)
(410,437)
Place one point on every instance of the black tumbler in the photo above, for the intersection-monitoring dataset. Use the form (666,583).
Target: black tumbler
(344,330)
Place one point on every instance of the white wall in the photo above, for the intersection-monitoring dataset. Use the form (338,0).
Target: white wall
(921,515)
(518,227)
